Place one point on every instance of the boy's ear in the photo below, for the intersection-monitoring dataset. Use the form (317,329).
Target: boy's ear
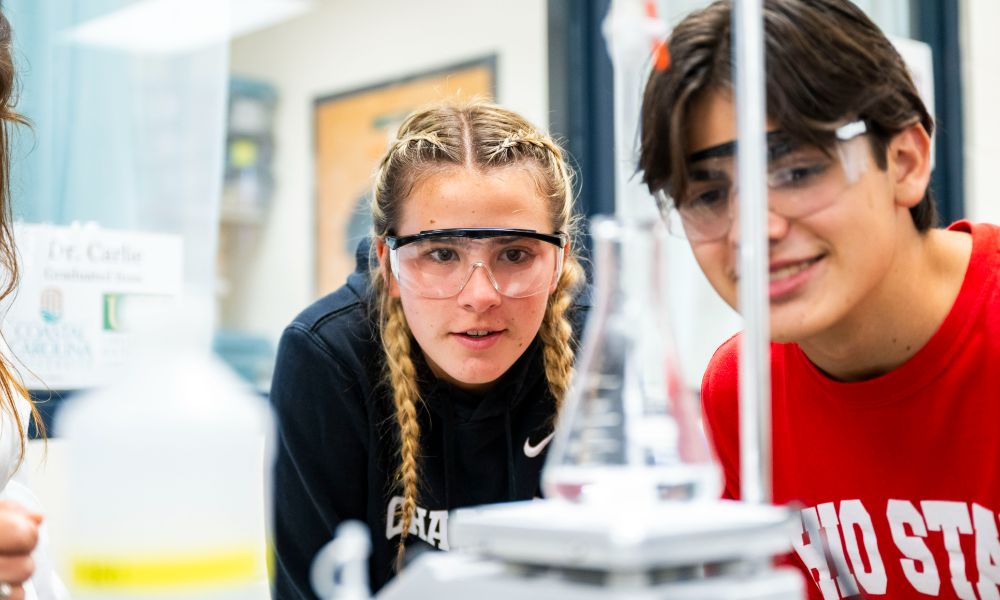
(909,158)
(382,251)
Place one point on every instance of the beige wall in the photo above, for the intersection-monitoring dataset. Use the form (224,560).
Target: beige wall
(981,82)
(342,45)
(339,46)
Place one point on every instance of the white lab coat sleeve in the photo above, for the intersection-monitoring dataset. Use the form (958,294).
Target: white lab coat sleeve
(45,584)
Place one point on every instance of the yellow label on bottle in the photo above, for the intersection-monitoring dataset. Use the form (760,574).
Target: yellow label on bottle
(210,569)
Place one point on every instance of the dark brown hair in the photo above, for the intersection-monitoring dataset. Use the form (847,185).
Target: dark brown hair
(10,385)
(827,64)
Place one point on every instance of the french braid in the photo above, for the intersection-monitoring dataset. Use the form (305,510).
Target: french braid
(402,376)
(556,332)
(480,136)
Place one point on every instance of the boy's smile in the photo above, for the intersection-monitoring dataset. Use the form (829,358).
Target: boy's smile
(786,276)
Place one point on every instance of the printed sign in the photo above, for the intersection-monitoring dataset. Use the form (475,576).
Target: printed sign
(67,324)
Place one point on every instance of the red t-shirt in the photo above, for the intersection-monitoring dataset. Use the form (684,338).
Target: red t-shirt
(900,475)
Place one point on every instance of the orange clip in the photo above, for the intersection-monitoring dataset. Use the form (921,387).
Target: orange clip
(661,53)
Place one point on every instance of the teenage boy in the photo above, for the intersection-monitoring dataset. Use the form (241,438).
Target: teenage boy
(885,349)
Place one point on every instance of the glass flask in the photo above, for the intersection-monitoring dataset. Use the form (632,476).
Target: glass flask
(629,430)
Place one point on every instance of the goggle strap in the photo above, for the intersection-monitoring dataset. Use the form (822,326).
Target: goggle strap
(851,130)
(394,263)
(559,262)
(557,239)
(853,160)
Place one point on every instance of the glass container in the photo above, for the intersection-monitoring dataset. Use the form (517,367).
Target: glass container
(630,429)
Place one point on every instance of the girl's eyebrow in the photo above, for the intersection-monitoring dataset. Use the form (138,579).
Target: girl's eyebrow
(445,241)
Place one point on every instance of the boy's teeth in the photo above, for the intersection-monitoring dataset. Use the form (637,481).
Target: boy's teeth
(790,270)
(477,332)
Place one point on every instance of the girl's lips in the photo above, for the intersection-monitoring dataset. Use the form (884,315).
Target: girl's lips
(478,342)
(791,277)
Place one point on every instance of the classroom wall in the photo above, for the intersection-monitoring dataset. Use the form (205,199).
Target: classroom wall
(342,45)
(980,47)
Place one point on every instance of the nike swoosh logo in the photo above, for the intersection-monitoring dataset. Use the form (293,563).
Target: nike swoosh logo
(533,451)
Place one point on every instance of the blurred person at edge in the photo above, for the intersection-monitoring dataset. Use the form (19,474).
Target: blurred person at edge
(885,329)
(431,380)
(25,571)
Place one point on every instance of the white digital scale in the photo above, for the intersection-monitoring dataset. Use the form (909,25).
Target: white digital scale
(555,549)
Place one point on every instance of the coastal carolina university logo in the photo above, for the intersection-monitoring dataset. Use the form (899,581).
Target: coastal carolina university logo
(925,535)
(50,305)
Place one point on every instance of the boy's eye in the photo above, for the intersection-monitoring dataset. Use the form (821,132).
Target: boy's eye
(795,175)
(707,199)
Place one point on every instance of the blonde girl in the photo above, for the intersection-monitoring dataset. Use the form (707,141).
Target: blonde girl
(431,379)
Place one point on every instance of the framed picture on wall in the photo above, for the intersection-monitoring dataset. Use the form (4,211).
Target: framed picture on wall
(352,131)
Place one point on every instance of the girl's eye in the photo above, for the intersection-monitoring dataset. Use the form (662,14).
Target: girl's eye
(442,254)
(514,255)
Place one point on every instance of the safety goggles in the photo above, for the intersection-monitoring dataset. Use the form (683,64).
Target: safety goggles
(801,179)
(439,264)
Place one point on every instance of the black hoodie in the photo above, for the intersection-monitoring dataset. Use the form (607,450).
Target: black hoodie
(338,440)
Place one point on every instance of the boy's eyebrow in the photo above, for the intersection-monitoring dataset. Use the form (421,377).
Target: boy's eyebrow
(720,150)
(778,145)
(704,173)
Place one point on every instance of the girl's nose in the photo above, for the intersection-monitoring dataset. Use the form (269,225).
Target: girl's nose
(480,290)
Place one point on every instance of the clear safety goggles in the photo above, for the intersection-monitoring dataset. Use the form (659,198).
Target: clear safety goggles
(801,180)
(439,264)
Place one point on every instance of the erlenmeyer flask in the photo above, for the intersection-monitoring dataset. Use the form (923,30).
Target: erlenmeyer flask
(630,430)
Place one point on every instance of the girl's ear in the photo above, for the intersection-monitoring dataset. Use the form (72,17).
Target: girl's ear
(383,258)
(910,164)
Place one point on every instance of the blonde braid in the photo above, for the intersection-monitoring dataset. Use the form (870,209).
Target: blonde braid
(400,371)
(515,141)
(402,375)
(414,143)
(556,332)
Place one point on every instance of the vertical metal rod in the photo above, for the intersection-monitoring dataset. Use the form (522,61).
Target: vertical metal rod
(629,34)
(755,356)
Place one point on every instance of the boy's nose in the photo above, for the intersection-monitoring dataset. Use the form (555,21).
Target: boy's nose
(776,225)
